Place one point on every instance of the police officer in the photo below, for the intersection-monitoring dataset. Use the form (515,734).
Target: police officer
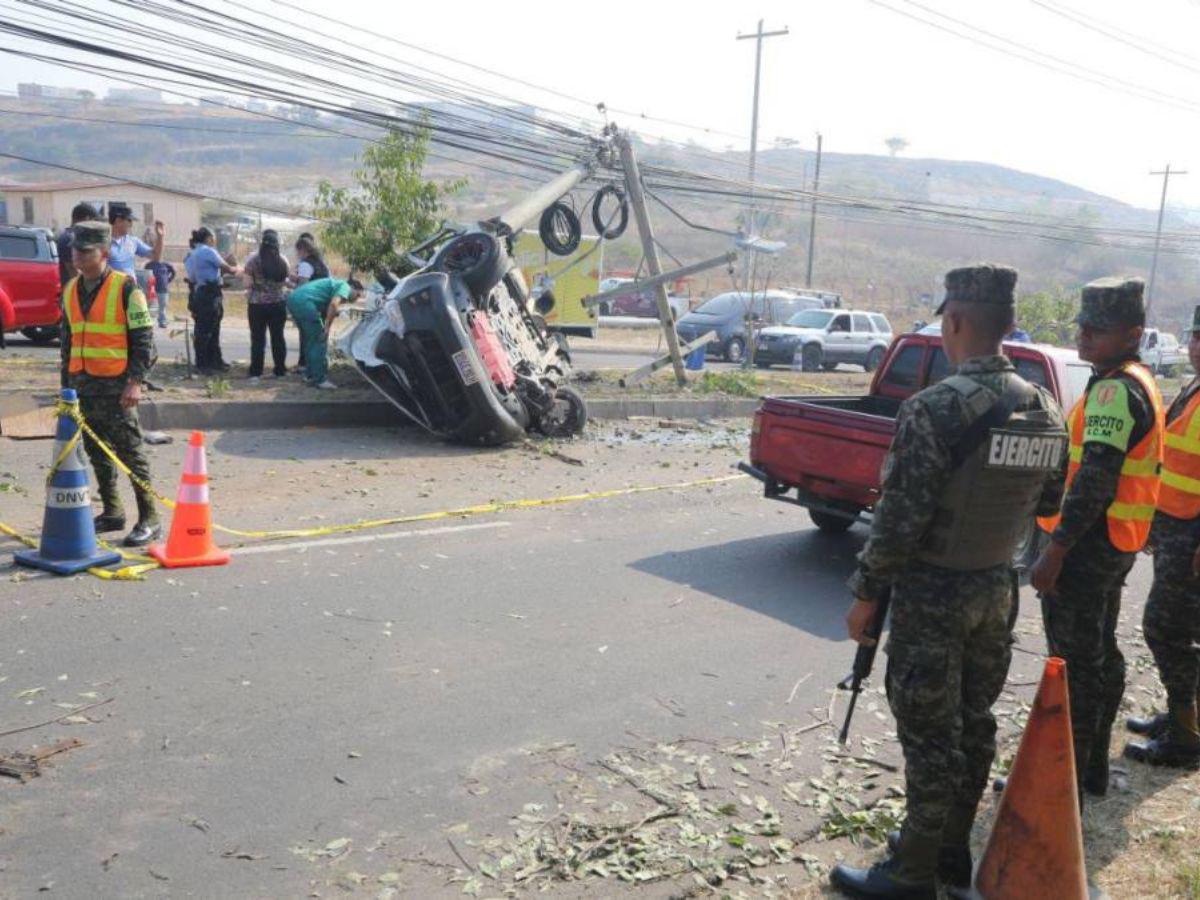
(974,457)
(1171,621)
(1112,487)
(107,350)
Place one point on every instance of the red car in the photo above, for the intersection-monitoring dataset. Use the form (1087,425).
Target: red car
(30,291)
(825,453)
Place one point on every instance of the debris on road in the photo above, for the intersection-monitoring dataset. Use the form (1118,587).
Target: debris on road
(24,766)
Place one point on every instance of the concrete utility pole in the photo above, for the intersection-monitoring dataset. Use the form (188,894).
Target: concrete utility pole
(812,218)
(1166,173)
(757,37)
(637,199)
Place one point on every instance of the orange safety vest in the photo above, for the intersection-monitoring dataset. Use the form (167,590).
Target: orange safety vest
(1130,514)
(1180,492)
(99,340)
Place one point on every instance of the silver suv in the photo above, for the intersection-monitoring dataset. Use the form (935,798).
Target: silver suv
(822,338)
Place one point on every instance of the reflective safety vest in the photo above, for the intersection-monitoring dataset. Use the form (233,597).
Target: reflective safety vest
(99,340)
(1130,514)
(1180,492)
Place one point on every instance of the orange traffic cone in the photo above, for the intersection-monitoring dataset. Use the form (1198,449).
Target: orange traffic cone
(1035,850)
(190,542)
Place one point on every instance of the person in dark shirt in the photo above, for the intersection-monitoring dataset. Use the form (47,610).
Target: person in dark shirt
(107,371)
(82,212)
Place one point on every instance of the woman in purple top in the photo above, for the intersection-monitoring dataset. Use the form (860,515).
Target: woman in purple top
(268,273)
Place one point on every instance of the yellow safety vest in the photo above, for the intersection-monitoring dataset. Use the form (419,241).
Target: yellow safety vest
(99,340)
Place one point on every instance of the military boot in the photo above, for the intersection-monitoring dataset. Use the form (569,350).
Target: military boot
(148,528)
(1178,748)
(110,520)
(1095,775)
(909,874)
(1150,726)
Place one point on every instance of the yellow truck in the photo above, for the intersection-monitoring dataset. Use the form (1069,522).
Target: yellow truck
(571,277)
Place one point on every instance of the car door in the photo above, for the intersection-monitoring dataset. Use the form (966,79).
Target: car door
(861,336)
(839,339)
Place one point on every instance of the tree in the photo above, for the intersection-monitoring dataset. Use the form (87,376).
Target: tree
(896,144)
(1048,316)
(390,208)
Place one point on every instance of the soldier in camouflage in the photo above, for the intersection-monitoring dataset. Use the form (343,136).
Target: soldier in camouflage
(107,351)
(1105,518)
(942,538)
(1171,621)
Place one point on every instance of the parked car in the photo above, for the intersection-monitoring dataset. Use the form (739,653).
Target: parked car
(637,303)
(822,338)
(825,453)
(727,314)
(29,279)
(1160,351)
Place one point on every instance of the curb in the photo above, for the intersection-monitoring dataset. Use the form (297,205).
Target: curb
(369,413)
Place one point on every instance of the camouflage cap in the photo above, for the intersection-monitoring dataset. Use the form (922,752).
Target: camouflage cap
(1109,303)
(86,235)
(984,283)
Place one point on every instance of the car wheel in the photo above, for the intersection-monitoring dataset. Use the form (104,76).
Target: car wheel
(735,350)
(828,366)
(566,417)
(41,334)
(830,523)
(605,309)
(874,358)
(811,358)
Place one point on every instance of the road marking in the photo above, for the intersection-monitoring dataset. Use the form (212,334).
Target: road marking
(363,538)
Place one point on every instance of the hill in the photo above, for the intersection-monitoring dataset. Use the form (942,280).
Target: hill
(903,221)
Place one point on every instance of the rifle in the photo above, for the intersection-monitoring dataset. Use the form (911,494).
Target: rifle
(864,661)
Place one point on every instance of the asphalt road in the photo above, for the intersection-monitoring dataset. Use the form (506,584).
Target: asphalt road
(387,687)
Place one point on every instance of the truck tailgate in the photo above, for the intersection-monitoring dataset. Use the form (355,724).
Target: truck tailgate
(833,446)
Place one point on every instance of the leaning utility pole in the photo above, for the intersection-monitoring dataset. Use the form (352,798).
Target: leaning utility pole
(812,217)
(637,199)
(757,37)
(1162,205)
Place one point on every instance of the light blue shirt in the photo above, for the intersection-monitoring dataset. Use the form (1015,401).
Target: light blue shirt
(204,264)
(123,253)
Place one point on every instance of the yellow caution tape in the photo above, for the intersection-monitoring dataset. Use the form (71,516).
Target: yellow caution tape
(136,572)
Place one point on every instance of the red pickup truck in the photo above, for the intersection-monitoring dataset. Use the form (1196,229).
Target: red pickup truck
(29,287)
(825,452)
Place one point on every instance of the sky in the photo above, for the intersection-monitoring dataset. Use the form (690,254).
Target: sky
(858,71)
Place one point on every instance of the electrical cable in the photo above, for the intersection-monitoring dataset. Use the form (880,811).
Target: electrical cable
(560,229)
(602,226)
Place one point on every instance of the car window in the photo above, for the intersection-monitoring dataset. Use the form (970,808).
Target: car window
(841,323)
(881,324)
(720,305)
(905,367)
(18,246)
(939,366)
(785,308)
(810,318)
(1032,370)
(861,322)
(1078,376)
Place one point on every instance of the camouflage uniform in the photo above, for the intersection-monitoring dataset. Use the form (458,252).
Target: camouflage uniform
(100,398)
(1171,622)
(949,646)
(1080,617)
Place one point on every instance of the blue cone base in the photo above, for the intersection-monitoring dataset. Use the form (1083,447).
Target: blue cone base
(35,560)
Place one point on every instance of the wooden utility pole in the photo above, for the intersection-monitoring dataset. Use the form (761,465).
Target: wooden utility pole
(1166,174)
(637,199)
(758,36)
(812,217)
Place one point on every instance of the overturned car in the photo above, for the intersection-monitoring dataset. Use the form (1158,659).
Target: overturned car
(460,349)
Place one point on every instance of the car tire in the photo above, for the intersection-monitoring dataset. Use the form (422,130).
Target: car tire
(41,334)
(828,366)
(830,523)
(567,417)
(811,358)
(735,350)
(604,309)
(874,358)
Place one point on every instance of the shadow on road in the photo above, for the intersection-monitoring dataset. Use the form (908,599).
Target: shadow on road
(344,444)
(798,578)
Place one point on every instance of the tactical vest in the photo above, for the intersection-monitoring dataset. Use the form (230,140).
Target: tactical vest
(1132,511)
(1003,459)
(1179,495)
(99,340)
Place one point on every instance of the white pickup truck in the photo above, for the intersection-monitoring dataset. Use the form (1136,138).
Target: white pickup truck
(1160,351)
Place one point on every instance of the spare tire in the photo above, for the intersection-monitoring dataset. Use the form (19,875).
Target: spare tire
(477,258)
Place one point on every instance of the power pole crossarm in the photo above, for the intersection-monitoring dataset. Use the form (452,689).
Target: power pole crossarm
(1166,174)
